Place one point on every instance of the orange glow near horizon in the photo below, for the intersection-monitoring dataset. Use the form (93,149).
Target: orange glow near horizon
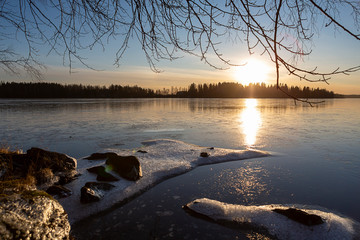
(250,120)
(255,71)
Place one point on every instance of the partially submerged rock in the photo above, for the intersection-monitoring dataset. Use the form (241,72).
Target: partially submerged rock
(102,175)
(127,167)
(300,216)
(39,217)
(94,191)
(141,151)
(100,156)
(88,195)
(204,154)
(59,191)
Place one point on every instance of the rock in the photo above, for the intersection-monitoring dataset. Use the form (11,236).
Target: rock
(141,151)
(300,216)
(126,166)
(13,165)
(94,191)
(37,218)
(102,175)
(88,195)
(59,191)
(100,156)
(58,162)
(204,154)
(47,167)
(96,169)
(45,175)
(99,186)
(66,177)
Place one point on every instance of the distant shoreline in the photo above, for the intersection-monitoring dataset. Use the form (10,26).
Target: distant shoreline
(43,90)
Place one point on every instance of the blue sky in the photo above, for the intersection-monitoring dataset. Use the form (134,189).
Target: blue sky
(329,50)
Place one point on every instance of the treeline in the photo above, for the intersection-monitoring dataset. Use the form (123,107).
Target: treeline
(55,90)
(237,90)
(218,90)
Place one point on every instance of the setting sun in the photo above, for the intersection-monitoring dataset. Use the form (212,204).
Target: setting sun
(255,71)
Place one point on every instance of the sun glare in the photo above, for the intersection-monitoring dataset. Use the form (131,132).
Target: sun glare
(255,71)
(251,121)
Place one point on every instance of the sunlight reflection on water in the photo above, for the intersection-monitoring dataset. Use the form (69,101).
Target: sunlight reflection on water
(250,120)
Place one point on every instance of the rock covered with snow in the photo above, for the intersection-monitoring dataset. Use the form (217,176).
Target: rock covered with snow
(37,218)
(277,225)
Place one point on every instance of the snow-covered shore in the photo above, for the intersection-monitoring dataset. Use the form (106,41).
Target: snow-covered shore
(163,159)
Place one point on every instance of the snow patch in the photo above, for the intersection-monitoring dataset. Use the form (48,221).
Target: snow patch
(334,226)
(164,159)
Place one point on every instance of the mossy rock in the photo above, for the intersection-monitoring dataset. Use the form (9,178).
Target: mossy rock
(35,193)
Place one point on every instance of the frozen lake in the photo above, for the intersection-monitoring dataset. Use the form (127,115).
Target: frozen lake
(315,154)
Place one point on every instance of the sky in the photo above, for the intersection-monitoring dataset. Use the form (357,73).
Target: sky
(329,51)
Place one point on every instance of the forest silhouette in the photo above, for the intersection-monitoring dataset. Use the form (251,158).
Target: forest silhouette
(217,90)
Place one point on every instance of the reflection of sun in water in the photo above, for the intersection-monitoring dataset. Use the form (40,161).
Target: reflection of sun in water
(255,71)
(251,121)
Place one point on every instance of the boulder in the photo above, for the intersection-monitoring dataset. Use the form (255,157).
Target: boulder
(39,217)
(58,162)
(102,175)
(94,191)
(300,216)
(127,167)
(47,167)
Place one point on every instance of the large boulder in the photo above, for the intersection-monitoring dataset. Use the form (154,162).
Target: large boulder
(127,167)
(35,217)
(58,162)
(47,167)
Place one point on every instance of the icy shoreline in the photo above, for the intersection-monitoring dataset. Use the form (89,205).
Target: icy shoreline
(163,159)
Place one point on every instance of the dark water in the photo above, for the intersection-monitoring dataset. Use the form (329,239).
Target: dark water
(315,155)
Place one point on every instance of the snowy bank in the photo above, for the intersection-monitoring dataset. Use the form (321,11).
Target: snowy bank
(160,159)
(277,225)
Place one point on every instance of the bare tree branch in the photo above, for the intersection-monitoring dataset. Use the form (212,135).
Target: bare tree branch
(277,29)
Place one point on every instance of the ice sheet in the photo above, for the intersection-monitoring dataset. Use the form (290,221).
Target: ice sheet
(164,159)
(334,226)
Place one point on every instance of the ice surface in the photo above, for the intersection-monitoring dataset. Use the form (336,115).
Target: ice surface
(334,226)
(164,158)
